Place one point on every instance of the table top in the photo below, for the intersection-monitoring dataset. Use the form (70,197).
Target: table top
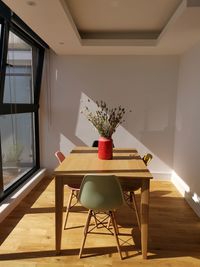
(84,160)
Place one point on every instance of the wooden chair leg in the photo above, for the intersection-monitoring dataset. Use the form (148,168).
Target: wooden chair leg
(116,226)
(130,196)
(136,209)
(109,222)
(68,207)
(95,220)
(112,216)
(85,232)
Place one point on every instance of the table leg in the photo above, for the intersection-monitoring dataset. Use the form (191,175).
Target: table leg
(144,216)
(59,194)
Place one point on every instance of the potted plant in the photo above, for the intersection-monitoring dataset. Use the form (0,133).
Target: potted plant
(105,120)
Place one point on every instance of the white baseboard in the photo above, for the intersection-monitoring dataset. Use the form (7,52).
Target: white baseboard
(192,198)
(165,176)
(14,199)
(195,205)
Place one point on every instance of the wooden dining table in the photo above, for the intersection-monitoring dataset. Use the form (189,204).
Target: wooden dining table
(126,164)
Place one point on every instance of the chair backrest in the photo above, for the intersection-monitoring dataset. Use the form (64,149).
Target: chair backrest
(95,143)
(101,192)
(147,158)
(60,156)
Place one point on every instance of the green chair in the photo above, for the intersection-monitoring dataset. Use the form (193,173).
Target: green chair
(129,190)
(100,194)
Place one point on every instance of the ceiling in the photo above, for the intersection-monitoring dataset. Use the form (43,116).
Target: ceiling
(113,27)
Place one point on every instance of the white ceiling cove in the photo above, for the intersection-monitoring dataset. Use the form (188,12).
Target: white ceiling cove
(113,27)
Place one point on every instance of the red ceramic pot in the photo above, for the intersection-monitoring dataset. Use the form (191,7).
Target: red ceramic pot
(105,148)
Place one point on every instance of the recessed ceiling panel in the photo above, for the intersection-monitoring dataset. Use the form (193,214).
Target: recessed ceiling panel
(121,19)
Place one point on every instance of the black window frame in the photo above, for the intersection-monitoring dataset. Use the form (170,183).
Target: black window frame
(10,21)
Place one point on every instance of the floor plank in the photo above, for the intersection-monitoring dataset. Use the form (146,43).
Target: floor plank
(27,234)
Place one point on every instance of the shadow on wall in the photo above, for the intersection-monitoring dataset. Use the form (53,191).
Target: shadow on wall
(146,85)
(86,132)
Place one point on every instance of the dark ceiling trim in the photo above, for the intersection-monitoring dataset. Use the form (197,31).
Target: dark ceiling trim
(143,35)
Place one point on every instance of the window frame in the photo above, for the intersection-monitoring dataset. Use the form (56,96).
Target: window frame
(11,22)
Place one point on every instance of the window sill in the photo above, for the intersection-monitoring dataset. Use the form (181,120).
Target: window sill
(16,197)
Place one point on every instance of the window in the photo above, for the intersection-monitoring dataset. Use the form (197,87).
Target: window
(21,58)
(18,146)
(18,83)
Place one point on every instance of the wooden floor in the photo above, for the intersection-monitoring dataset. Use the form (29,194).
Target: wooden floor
(27,235)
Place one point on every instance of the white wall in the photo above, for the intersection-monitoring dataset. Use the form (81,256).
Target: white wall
(145,84)
(187,134)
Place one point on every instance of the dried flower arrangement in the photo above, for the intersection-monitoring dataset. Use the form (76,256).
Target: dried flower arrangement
(105,119)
